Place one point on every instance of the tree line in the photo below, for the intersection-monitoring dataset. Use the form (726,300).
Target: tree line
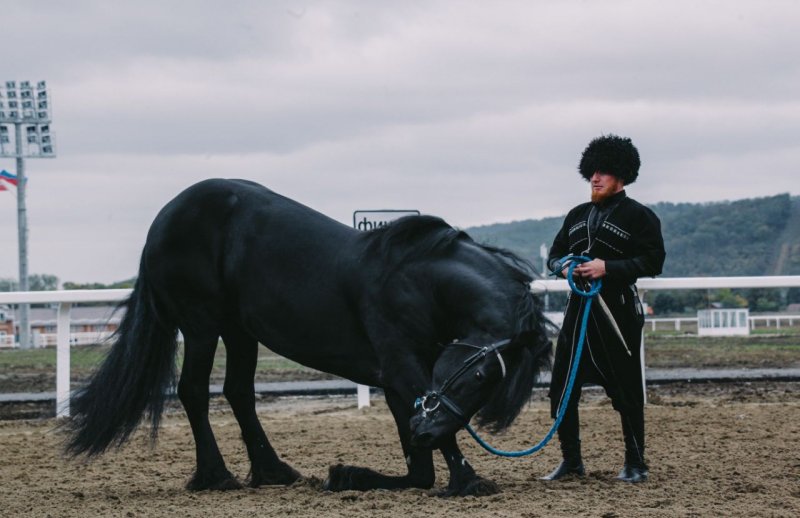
(754,236)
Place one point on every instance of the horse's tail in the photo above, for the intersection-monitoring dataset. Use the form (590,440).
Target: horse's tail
(135,377)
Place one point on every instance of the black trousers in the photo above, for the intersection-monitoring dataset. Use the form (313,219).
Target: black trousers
(632,417)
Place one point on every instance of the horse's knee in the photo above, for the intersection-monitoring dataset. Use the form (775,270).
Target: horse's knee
(423,480)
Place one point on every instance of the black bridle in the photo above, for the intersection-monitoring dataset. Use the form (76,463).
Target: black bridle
(434,398)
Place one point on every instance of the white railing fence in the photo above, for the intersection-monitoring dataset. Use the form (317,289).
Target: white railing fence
(674,323)
(65,300)
(695,283)
(688,283)
(770,320)
(754,321)
(84,338)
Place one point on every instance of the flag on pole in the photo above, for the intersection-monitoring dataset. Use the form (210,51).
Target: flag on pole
(7,179)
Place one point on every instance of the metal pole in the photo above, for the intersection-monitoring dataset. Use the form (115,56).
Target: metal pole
(22,234)
(543,254)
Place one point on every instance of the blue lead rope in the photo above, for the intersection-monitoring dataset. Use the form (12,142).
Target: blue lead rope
(589,295)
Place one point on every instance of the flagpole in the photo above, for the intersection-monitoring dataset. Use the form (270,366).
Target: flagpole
(22,235)
(25,105)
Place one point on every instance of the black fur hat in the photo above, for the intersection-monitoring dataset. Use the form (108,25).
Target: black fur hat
(613,155)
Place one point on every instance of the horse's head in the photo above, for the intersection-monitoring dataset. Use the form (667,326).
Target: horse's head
(493,379)
(450,286)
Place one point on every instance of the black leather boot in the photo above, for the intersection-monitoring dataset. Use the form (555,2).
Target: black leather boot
(633,473)
(569,437)
(635,469)
(572,463)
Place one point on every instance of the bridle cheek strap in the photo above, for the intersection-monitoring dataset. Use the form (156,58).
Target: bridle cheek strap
(453,409)
(502,363)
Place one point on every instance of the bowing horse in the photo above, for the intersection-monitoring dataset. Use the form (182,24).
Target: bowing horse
(416,308)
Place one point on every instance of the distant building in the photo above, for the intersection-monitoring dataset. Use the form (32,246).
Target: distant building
(88,324)
(723,322)
(6,327)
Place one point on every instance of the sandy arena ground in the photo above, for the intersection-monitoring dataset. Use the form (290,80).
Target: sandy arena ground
(714,450)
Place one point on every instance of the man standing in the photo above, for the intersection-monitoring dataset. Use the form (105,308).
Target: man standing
(623,239)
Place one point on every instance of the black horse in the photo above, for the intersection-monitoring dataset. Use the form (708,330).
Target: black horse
(232,259)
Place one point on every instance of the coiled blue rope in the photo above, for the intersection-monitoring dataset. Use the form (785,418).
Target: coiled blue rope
(594,289)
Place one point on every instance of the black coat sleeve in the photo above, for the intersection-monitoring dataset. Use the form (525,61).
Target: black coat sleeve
(648,251)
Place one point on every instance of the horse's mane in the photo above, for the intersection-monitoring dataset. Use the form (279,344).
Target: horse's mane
(530,355)
(414,237)
(409,238)
(521,269)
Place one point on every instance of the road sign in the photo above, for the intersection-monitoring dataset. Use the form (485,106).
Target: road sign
(372,219)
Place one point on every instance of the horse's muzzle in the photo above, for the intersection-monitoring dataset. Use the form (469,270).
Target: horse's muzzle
(421,437)
(428,429)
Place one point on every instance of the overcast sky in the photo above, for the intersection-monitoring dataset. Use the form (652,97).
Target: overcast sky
(473,111)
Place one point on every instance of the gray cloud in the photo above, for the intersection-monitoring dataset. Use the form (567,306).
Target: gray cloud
(471,110)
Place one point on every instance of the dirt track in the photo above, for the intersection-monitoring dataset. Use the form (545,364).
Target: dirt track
(714,451)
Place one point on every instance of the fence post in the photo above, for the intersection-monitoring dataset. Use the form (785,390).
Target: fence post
(362,396)
(62,359)
(642,366)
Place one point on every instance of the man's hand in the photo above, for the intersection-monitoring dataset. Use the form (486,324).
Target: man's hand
(594,269)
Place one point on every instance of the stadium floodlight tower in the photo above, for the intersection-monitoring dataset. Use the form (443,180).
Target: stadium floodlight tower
(27,106)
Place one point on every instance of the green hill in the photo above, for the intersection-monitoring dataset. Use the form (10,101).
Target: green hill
(755,236)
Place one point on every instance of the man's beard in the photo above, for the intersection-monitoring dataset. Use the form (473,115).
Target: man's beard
(603,195)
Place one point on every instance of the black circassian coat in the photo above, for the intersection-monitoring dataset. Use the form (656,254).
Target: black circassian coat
(627,235)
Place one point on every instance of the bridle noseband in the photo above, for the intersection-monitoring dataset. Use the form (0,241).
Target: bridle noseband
(434,398)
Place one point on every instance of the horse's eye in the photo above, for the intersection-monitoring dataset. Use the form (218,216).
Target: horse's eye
(479,375)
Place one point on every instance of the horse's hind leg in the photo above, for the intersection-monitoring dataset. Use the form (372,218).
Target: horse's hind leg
(265,466)
(198,360)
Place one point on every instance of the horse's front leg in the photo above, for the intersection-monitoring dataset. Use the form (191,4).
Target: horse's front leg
(463,479)
(419,461)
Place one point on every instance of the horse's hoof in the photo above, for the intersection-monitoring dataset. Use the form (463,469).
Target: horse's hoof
(475,487)
(282,475)
(215,482)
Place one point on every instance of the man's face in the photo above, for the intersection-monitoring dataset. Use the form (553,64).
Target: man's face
(604,186)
